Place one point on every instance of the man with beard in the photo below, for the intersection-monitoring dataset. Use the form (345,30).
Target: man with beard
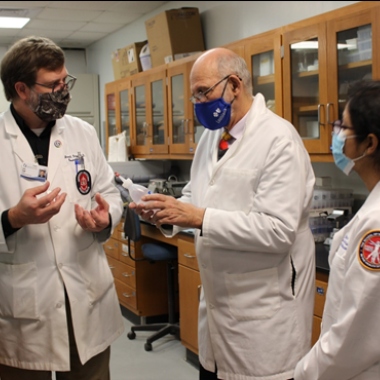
(59,310)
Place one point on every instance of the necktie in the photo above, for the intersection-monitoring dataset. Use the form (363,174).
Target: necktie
(224,143)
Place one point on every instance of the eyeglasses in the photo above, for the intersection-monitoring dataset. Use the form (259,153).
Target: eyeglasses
(338,126)
(68,84)
(201,96)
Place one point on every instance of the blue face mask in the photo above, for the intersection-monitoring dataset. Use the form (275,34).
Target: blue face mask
(344,163)
(215,114)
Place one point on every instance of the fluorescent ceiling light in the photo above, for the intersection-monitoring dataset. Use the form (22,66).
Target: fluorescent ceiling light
(303,45)
(13,22)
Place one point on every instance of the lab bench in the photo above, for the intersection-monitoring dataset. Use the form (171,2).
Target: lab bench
(142,288)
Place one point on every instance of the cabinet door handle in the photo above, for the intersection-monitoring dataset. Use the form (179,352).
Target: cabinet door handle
(186,126)
(319,114)
(189,256)
(112,267)
(126,295)
(328,113)
(125,274)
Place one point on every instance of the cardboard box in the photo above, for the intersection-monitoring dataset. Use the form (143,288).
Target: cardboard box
(174,34)
(126,61)
(129,58)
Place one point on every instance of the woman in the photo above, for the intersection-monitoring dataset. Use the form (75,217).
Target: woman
(348,347)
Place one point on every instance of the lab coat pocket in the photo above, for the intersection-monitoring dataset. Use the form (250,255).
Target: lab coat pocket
(95,271)
(18,283)
(253,295)
(232,181)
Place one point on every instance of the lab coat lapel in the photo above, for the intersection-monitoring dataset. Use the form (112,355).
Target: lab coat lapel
(56,150)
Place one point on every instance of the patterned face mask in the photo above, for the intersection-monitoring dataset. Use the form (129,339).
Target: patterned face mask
(52,105)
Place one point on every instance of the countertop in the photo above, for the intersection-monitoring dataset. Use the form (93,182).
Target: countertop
(321,251)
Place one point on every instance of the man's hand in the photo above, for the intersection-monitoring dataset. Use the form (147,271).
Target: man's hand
(169,211)
(95,220)
(32,209)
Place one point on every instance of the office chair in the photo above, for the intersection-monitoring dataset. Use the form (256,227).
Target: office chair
(154,252)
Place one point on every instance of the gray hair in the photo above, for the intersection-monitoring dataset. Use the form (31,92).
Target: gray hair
(234,64)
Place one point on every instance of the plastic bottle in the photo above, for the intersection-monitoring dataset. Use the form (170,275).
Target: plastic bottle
(135,191)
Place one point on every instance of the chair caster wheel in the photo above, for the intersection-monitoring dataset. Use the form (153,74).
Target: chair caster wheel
(148,346)
(131,335)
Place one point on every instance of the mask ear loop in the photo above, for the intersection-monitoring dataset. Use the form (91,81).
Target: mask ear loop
(364,153)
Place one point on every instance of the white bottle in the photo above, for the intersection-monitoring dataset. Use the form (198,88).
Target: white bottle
(135,191)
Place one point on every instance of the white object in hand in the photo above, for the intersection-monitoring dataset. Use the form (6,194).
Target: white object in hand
(135,191)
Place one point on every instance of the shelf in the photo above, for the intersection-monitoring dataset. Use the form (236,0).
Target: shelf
(304,109)
(265,79)
(324,211)
(355,65)
(311,73)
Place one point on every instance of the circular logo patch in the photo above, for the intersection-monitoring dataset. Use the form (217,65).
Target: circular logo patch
(83,180)
(369,250)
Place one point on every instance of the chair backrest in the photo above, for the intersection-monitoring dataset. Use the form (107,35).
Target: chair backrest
(132,229)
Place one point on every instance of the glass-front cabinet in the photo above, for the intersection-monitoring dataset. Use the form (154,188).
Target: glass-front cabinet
(320,62)
(124,92)
(149,109)
(263,56)
(184,128)
(113,114)
(111,127)
(305,85)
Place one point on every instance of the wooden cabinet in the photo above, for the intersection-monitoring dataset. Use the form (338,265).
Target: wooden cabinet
(189,292)
(118,105)
(184,128)
(150,113)
(321,59)
(112,124)
(303,70)
(263,56)
(319,304)
(154,109)
(141,286)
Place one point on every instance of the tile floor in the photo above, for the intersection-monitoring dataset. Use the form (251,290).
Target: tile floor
(167,360)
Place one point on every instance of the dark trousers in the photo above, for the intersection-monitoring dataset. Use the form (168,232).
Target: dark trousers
(207,375)
(97,368)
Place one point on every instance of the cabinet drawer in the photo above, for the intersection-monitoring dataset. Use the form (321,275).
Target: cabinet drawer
(320,297)
(186,254)
(124,256)
(112,248)
(123,272)
(126,295)
(189,290)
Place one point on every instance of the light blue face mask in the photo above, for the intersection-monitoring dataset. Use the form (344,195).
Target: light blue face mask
(344,163)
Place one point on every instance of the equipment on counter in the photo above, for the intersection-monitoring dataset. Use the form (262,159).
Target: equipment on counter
(171,186)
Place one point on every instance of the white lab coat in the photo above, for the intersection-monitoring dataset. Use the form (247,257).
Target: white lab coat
(38,260)
(348,347)
(257,197)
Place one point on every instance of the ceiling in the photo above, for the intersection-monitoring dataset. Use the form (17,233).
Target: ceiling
(72,24)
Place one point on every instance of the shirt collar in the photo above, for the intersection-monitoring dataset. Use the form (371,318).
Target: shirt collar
(238,129)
